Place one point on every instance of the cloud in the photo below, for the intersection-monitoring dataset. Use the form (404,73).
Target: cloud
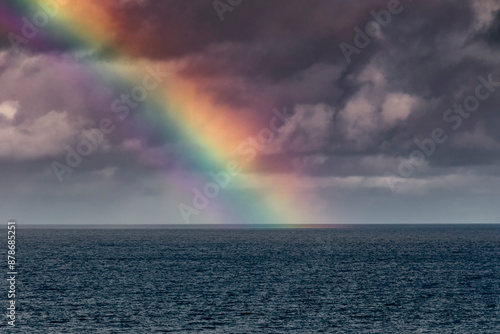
(8,109)
(307,130)
(397,107)
(374,109)
(485,12)
(350,122)
(477,139)
(41,137)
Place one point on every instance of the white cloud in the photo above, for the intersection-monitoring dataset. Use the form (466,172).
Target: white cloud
(360,119)
(397,107)
(45,136)
(8,109)
(374,109)
(485,9)
(463,181)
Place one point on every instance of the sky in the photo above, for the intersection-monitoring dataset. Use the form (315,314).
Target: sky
(249,112)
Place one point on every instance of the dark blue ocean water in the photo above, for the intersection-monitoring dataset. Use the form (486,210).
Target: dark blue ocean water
(377,279)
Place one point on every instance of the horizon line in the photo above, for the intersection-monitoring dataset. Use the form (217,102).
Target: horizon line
(236,226)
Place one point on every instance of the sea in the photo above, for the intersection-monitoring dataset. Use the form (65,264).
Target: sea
(348,279)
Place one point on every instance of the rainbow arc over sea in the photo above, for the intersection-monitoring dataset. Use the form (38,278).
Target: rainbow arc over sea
(208,132)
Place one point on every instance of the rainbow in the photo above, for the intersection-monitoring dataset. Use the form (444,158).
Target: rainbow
(178,107)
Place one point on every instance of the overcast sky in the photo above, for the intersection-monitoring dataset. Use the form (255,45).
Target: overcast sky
(395,122)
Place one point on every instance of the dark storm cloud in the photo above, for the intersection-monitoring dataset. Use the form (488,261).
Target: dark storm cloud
(166,29)
(493,32)
(351,121)
(173,28)
(265,55)
(423,55)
